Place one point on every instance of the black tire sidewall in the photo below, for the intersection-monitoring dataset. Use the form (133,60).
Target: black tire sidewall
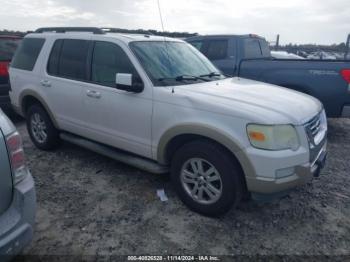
(227,167)
(52,140)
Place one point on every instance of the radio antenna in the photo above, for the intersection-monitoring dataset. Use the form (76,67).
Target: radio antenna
(165,41)
(160,16)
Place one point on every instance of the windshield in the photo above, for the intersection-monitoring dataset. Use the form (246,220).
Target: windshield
(174,63)
(7,48)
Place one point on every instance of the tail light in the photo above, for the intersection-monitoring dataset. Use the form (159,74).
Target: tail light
(4,69)
(16,153)
(346,75)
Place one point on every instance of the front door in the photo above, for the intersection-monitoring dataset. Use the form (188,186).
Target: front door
(113,116)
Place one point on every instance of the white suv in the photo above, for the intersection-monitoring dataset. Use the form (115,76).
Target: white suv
(158,104)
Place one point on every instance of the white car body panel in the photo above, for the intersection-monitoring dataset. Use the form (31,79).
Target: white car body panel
(137,122)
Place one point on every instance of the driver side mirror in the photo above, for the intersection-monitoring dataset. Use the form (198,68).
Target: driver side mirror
(129,83)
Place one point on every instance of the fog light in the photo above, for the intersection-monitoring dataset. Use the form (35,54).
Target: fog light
(284,172)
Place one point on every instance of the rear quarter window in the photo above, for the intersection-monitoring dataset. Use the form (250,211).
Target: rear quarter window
(8,47)
(27,53)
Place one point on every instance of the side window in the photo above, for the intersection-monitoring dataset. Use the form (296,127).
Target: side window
(197,44)
(252,48)
(52,65)
(108,59)
(72,61)
(217,49)
(265,49)
(27,53)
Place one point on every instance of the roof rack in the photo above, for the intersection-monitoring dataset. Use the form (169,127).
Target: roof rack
(125,31)
(93,30)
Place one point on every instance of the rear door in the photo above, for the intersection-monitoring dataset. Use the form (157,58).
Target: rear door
(66,72)
(5,177)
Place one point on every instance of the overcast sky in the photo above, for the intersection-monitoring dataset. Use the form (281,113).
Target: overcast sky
(297,21)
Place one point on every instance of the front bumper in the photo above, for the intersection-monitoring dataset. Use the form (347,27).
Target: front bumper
(262,187)
(17,223)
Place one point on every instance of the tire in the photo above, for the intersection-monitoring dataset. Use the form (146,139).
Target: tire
(225,166)
(37,114)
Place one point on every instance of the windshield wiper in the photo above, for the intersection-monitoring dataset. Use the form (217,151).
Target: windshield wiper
(212,74)
(183,78)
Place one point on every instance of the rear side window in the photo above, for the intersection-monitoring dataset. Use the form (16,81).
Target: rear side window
(8,47)
(27,53)
(265,49)
(109,59)
(252,48)
(217,49)
(52,66)
(72,59)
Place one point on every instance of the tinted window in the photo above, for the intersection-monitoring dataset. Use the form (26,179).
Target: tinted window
(8,47)
(72,61)
(197,44)
(109,59)
(27,53)
(217,49)
(252,48)
(52,66)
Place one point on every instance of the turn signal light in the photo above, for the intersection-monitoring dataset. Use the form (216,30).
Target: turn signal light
(257,136)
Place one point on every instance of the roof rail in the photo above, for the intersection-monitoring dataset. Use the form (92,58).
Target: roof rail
(125,31)
(94,30)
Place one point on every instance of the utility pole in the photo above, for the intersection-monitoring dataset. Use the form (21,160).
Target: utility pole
(278,42)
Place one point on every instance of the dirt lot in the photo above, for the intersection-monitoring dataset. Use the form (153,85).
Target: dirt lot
(91,205)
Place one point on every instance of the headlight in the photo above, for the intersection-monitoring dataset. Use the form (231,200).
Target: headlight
(276,137)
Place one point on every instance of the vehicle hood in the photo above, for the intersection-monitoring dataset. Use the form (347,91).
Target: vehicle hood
(252,100)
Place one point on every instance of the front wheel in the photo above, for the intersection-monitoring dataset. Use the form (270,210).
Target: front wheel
(207,178)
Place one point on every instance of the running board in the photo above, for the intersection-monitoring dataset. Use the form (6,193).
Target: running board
(119,155)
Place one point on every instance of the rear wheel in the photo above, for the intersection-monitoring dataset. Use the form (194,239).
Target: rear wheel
(206,177)
(41,129)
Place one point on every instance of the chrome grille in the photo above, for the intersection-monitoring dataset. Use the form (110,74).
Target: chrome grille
(313,127)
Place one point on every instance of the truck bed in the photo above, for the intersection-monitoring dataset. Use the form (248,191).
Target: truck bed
(320,78)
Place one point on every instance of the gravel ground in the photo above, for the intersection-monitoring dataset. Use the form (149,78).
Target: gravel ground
(91,205)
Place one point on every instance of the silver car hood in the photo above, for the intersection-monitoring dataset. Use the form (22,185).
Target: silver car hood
(255,101)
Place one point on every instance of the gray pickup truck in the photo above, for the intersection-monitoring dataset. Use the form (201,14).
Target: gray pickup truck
(17,193)
(249,56)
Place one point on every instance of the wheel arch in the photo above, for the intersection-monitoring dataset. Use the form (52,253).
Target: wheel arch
(177,136)
(30,97)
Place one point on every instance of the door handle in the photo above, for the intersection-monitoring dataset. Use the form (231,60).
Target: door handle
(93,94)
(45,83)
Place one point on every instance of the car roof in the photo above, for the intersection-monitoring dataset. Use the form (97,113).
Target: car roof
(127,38)
(223,36)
